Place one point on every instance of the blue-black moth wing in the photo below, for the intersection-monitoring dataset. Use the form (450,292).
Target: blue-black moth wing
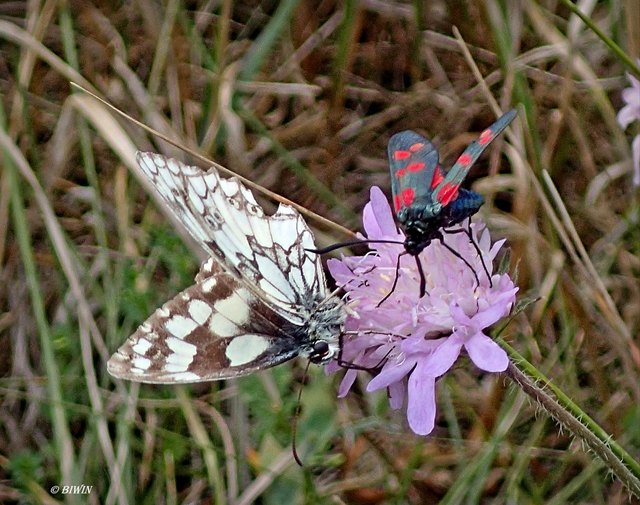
(447,189)
(415,172)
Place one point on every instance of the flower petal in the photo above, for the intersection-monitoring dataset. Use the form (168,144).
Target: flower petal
(391,372)
(631,96)
(443,357)
(340,272)
(486,354)
(626,116)
(346,383)
(421,402)
(377,217)
(397,393)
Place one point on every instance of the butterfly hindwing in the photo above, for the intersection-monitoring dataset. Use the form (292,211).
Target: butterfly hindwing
(215,329)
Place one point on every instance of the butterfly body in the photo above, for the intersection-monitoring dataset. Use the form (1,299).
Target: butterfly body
(259,300)
(425,198)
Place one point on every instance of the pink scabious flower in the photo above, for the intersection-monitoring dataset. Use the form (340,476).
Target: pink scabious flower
(627,115)
(407,342)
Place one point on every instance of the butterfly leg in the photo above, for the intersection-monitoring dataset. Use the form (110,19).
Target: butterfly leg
(395,282)
(350,365)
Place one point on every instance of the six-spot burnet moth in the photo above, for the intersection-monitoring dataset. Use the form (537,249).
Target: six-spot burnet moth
(425,198)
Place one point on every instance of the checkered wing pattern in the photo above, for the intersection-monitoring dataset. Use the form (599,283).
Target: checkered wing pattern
(260,299)
(224,218)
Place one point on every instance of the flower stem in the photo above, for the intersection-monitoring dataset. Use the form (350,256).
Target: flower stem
(568,414)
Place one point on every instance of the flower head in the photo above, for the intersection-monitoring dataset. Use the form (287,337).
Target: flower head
(407,342)
(627,115)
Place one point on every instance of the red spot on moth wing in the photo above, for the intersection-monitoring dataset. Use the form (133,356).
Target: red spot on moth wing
(438,177)
(401,155)
(415,166)
(407,196)
(485,137)
(416,147)
(447,194)
(396,203)
(400,172)
(464,159)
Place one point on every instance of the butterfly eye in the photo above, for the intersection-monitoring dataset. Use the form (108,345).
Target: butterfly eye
(320,352)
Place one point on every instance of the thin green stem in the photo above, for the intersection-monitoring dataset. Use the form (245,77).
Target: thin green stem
(620,53)
(263,46)
(566,412)
(60,424)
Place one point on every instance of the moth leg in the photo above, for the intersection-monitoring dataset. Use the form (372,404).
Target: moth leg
(477,248)
(423,280)
(459,256)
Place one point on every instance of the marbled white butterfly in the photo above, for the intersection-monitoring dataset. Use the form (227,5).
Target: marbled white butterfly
(259,300)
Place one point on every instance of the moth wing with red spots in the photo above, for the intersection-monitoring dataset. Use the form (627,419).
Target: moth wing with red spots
(413,161)
(259,300)
(447,190)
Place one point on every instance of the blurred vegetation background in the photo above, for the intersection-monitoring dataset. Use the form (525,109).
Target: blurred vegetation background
(301,97)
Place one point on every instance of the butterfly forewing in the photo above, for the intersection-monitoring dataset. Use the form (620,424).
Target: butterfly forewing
(224,218)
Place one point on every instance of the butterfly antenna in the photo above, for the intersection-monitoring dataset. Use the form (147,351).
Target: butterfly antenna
(296,416)
(340,245)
